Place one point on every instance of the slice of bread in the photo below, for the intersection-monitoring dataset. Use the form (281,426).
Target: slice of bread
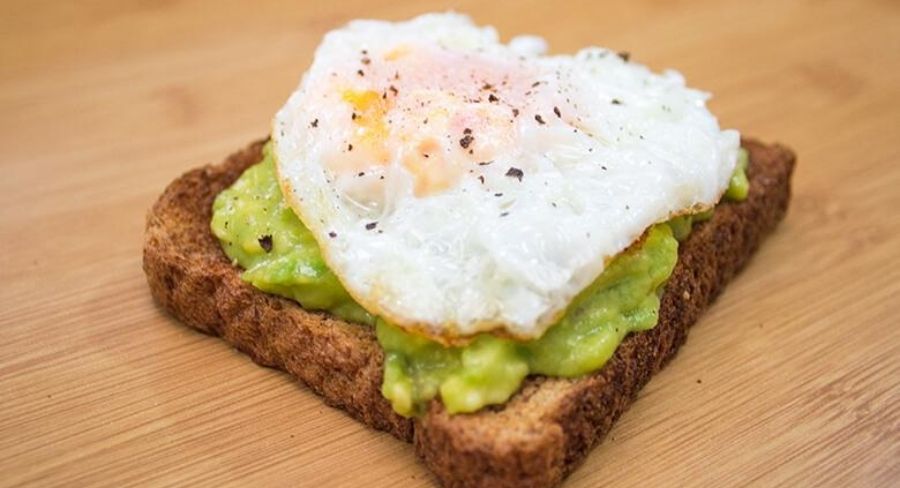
(543,432)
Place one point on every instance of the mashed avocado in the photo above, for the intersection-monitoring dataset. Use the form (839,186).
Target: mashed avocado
(623,299)
(739,186)
(260,233)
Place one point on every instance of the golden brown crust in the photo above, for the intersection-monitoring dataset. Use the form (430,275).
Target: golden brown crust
(545,430)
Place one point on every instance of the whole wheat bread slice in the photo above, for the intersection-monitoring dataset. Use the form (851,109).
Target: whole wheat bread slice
(535,439)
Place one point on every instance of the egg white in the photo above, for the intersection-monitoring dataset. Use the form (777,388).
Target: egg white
(569,159)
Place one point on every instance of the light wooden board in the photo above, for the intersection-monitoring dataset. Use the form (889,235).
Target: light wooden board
(792,378)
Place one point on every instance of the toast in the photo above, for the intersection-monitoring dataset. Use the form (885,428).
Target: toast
(545,430)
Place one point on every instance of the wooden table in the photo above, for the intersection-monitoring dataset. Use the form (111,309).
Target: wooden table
(792,377)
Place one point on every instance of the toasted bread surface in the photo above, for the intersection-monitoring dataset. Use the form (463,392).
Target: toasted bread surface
(543,432)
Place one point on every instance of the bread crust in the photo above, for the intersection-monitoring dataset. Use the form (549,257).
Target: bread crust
(544,431)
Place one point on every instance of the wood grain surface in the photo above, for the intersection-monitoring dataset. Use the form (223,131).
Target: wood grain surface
(792,378)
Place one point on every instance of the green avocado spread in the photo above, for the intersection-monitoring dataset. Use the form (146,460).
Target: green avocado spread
(261,234)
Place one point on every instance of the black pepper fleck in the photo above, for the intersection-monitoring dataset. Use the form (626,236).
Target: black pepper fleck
(556,111)
(539,119)
(493,98)
(266,243)
(332,234)
(315,123)
(515,173)
(371,225)
(466,141)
